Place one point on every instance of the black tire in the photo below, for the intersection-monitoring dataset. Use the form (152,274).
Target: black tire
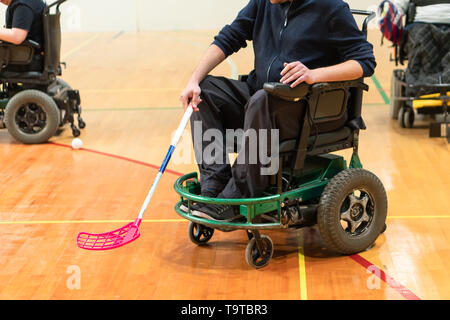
(32,117)
(408,117)
(60,82)
(336,201)
(401,118)
(199,234)
(396,91)
(255,258)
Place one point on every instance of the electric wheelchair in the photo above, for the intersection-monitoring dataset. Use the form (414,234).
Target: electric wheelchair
(313,186)
(35,104)
(408,99)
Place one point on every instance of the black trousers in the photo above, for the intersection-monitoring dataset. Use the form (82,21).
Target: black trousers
(231,104)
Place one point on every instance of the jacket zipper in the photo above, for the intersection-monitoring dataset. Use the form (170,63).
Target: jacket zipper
(281,35)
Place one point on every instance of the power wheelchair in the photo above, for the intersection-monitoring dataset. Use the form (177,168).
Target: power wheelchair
(312,186)
(35,104)
(409,99)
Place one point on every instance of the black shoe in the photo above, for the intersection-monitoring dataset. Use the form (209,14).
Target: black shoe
(217,212)
(194,206)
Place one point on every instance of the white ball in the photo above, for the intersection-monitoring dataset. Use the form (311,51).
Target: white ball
(77,143)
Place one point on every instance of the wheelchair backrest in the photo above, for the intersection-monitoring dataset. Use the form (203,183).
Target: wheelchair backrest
(52,41)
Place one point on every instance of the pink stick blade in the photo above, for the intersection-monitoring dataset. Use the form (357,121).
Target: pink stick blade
(109,240)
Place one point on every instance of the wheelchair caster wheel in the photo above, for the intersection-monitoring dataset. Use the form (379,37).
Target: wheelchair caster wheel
(76,132)
(81,123)
(199,234)
(406,118)
(256,258)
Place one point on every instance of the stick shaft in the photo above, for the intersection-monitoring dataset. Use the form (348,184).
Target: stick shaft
(176,138)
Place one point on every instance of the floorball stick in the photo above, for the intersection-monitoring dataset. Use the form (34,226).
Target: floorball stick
(130,232)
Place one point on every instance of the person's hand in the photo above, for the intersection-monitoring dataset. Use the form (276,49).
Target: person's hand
(297,73)
(191,95)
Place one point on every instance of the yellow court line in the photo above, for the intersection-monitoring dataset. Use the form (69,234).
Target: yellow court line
(302,267)
(82,45)
(418,217)
(88,221)
(131,90)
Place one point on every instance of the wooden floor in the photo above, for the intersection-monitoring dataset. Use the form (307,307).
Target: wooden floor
(130,85)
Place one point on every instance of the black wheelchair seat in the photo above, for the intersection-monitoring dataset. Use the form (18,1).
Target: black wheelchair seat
(323,139)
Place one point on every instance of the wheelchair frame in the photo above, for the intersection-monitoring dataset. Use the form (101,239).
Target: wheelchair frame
(308,172)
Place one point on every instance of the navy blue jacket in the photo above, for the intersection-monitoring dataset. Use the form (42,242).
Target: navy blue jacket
(318,33)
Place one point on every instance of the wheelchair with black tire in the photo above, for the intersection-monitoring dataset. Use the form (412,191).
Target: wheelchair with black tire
(423,96)
(312,186)
(35,104)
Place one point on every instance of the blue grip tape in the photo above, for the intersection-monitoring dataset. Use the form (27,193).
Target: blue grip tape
(167,159)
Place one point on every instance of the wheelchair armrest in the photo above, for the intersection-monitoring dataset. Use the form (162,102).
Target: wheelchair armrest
(341,84)
(285,92)
(31,43)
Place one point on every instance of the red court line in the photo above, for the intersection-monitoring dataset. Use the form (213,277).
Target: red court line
(119,157)
(406,293)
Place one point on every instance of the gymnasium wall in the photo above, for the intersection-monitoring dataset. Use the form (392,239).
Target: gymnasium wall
(144,15)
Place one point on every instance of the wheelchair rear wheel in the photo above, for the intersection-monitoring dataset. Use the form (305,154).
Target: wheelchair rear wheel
(32,117)
(352,211)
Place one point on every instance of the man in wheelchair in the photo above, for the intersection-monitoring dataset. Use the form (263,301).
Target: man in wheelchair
(34,101)
(23,22)
(295,42)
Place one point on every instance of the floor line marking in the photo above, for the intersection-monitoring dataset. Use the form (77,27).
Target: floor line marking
(302,267)
(131,109)
(391,282)
(82,45)
(90,221)
(418,217)
(118,157)
(381,90)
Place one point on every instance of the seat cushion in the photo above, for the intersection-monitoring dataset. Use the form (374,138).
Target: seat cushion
(322,139)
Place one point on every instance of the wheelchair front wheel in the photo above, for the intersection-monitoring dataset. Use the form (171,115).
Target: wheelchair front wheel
(32,117)
(258,256)
(199,234)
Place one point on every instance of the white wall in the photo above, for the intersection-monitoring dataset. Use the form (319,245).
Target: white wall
(141,15)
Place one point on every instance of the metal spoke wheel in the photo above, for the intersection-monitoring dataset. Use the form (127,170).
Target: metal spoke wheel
(357,212)
(32,117)
(352,211)
(259,251)
(199,234)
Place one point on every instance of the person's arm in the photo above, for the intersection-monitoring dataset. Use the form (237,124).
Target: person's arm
(349,43)
(229,40)
(297,73)
(211,59)
(21,25)
(14,35)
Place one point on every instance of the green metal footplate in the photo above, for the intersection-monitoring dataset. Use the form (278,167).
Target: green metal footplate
(312,179)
